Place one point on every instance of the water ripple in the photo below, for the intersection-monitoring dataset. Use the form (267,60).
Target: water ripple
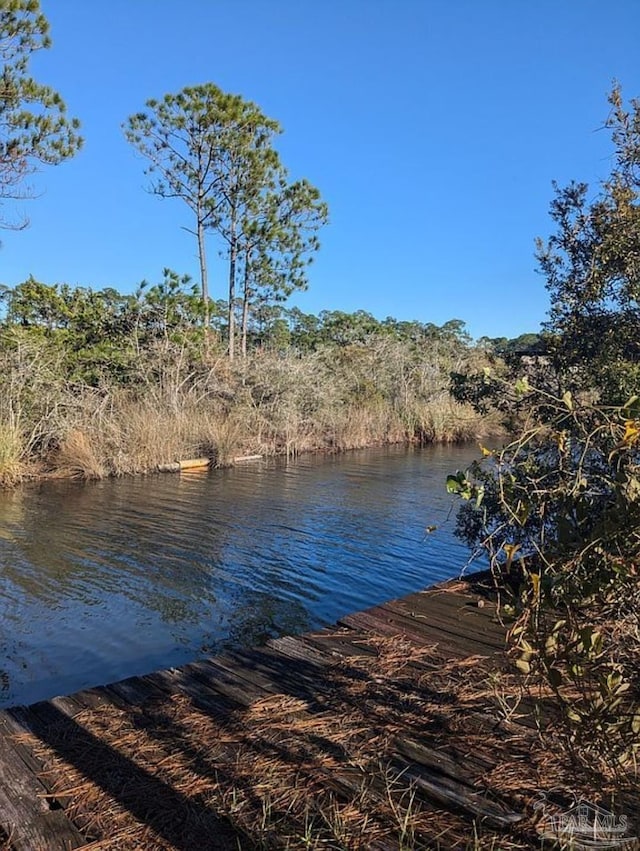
(110,579)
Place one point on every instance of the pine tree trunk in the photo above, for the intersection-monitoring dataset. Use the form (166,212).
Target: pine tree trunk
(233,254)
(245,308)
(204,284)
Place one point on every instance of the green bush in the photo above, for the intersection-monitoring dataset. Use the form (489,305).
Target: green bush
(557,511)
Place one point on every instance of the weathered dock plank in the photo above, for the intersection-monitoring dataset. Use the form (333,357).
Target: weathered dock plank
(339,642)
(457,618)
(309,680)
(423,632)
(451,793)
(134,787)
(27,816)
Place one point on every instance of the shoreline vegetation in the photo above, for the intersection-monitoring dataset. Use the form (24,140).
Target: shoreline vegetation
(96,384)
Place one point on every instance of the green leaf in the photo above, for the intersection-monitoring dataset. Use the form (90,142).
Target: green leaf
(453,485)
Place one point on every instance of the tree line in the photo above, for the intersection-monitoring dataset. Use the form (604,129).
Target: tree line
(101,331)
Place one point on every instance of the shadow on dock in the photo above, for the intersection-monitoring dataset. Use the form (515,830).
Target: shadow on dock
(400,728)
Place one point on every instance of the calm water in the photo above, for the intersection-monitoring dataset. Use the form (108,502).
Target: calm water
(106,580)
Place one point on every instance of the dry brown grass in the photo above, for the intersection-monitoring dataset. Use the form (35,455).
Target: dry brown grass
(443,420)
(12,468)
(139,435)
(274,404)
(132,435)
(78,457)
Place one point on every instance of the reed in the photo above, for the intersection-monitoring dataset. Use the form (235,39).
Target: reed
(443,420)
(12,469)
(78,457)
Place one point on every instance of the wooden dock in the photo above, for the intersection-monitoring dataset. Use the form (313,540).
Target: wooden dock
(377,733)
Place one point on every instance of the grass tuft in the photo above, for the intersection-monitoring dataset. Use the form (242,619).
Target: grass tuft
(11,453)
(77,458)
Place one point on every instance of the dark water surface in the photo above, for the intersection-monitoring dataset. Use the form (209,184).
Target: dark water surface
(105,580)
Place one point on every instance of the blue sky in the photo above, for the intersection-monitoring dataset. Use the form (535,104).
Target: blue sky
(433,129)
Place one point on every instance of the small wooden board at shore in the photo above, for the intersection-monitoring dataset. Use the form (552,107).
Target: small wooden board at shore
(197,464)
(188,464)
